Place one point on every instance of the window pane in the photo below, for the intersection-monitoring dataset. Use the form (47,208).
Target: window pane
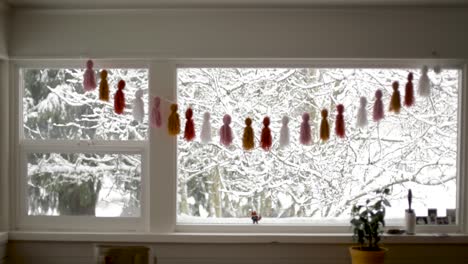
(315,184)
(103,185)
(55,106)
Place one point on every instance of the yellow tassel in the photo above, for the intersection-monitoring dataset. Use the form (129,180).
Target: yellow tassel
(104,87)
(395,102)
(248,138)
(173,123)
(324,126)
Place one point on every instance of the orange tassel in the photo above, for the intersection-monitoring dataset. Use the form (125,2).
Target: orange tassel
(324,126)
(395,102)
(119,98)
(248,137)
(173,122)
(104,87)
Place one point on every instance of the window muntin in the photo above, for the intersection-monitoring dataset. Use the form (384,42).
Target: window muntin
(316,184)
(90,184)
(55,106)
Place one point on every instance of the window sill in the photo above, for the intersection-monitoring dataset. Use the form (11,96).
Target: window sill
(229,238)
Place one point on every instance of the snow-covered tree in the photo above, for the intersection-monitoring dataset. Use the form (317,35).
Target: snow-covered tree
(416,148)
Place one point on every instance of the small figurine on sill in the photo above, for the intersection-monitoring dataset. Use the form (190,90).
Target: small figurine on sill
(255,217)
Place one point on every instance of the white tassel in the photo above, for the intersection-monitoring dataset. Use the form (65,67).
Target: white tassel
(138,106)
(424,83)
(362,113)
(205,134)
(284,133)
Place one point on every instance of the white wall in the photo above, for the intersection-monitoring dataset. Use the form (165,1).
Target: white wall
(333,33)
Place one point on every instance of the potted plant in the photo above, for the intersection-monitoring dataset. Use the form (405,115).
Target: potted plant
(368,221)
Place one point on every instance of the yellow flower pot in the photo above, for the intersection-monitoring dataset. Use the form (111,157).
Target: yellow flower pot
(359,256)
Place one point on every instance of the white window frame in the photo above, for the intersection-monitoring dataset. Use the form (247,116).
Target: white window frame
(462,186)
(159,157)
(22,147)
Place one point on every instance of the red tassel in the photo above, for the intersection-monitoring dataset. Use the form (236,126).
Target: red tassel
(189,133)
(119,98)
(266,139)
(409,91)
(340,124)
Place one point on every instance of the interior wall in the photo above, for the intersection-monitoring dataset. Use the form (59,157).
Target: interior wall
(160,34)
(240,33)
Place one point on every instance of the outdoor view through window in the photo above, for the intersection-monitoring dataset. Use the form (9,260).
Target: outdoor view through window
(316,184)
(56,108)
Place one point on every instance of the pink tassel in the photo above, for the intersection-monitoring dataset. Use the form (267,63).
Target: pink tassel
(156,120)
(340,123)
(226,132)
(306,133)
(378,113)
(89,78)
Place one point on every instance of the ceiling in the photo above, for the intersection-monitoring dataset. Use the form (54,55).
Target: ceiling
(136,4)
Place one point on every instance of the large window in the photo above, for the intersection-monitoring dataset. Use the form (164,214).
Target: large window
(314,184)
(78,157)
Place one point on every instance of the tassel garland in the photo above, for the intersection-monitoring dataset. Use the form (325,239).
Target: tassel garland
(156,120)
(306,134)
(248,137)
(409,91)
(424,83)
(284,133)
(266,140)
(324,126)
(173,122)
(362,113)
(205,134)
(104,87)
(378,113)
(225,132)
(119,98)
(340,123)
(138,106)
(189,132)
(89,78)
(395,102)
